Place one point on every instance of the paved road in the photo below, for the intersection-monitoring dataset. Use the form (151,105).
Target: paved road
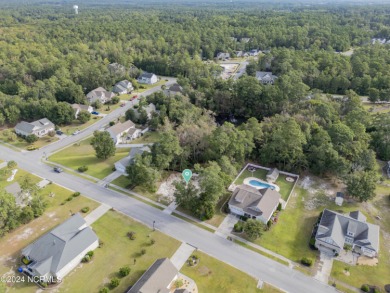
(99,124)
(245,260)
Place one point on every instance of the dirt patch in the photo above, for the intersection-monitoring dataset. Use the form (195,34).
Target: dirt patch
(367,261)
(167,188)
(204,271)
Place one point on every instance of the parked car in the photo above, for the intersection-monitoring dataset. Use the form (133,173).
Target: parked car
(133,98)
(76,132)
(95,113)
(59,132)
(122,105)
(57,169)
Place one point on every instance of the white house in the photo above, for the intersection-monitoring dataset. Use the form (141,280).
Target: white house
(252,203)
(40,127)
(123,87)
(58,252)
(80,107)
(100,94)
(122,164)
(123,132)
(147,78)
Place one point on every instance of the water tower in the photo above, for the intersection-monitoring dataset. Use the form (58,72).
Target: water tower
(76,9)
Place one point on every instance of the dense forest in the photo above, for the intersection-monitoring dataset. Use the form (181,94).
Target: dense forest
(50,57)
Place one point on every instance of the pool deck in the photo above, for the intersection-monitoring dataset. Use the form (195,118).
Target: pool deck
(247,180)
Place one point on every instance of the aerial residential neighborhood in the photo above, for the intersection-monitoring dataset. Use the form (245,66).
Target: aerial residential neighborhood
(188,146)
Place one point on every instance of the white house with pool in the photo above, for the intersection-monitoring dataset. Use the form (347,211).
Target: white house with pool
(255,200)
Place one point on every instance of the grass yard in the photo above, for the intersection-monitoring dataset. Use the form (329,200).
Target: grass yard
(148,137)
(118,251)
(20,143)
(259,173)
(212,275)
(82,153)
(12,243)
(18,178)
(76,125)
(219,215)
(121,181)
(146,87)
(193,222)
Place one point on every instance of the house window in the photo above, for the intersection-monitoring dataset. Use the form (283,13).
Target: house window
(350,233)
(328,240)
(349,240)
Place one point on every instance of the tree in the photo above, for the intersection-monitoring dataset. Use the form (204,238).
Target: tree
(186,195)
(253,229)
(141,172)
(124,271)
(130,115)
(9,212)
(84,116)
(11,165)
(103,144)
(97,104)
(164,151)
(31,138)
(362,184)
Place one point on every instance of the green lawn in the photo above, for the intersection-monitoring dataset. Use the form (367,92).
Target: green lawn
(82,153)
(212,275)
(121,181)
(20,143)
(76,125)
(219,215)
(18,178)
(118,251)
(259,173)
(148,137)
(146,87)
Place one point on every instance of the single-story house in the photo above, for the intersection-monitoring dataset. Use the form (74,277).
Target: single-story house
(123,87)
(339,198)
(40,127)
(100,94)
(158,278)
(223,56)
(147,78)
(80,107)
(259,204)
(59,251)
(266,77)
(173,90)
(122,164)
(116,68)
(272,175)
(123,132)
(21,198)
(336,230)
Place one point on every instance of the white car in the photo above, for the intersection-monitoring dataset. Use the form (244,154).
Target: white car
(76,132)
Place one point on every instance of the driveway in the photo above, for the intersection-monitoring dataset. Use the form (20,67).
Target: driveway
(324,268)
(181,255)
(227,225)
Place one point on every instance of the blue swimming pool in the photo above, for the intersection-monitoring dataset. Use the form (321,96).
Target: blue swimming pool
(256,183)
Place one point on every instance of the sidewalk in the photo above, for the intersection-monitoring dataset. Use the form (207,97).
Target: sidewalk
(96,214)
(181,255)
(112,177)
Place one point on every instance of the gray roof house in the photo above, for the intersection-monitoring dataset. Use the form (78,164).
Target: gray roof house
(59,251)
(223,55)
(40,127)
(149,110)
(272,175)
(100,94)
(158,278)
(123,87)
(336,230)
(80,107)
(123,132)
(259,204)
(147,78)
(20,196)
(122,164)
(266,77)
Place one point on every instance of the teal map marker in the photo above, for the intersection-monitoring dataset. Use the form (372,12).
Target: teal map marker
(187,174)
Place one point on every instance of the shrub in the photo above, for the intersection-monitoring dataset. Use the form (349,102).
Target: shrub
(269,224)
(104,290)
(31,138)
(52,133)
(312,243)
(114,283)
(83,169)
(69,198)
(112,123)
(31,148)
(85,210)
(365,288)
(143,251)
(131,235)
(238,227)
(90,253)
(86,258)
(279,208)
(76,194)
(115,100)
(179,283)
(306,261)
(101,243)
(152,241)
(6,132)
(376,290)
(124,271)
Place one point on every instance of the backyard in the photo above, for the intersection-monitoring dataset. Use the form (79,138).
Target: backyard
(212,275)
(82,153)
(118,251)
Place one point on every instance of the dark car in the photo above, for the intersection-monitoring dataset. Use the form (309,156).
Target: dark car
(57,169)
(95,113)
(59,132)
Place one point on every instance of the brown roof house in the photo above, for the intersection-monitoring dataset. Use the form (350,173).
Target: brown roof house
(259,204)
(123,132)
(100,94)
(159,278)
(335,231)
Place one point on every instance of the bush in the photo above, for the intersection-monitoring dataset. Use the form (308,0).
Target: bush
(131,235)
(179,283)
(31,138)
(365,288)
(312,243)
(69,198)
(86,258)
(238,227)
(114,283)
(6,132)
(115,100)
(112,123)
(85,210)
(76,194)
(143,251)
(83,169)
(269,224)
(376,290)
(279,208)
(31,148)
(306,261)
(101,243)
(152,241)
(124,271)
(90,253)
(52,133)
(104,290)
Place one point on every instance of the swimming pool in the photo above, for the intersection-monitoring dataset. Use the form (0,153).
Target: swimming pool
(257,183)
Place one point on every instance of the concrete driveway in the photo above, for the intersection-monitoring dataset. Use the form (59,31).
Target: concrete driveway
(181,255)
(324,268)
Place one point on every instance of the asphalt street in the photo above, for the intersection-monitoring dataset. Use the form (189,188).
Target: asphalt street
(243,259)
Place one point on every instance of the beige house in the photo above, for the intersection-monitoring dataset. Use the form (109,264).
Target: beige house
(80,107)
(99,94)
(123,132)
(40,127)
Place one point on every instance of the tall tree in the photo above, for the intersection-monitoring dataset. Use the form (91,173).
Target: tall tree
(103,144)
